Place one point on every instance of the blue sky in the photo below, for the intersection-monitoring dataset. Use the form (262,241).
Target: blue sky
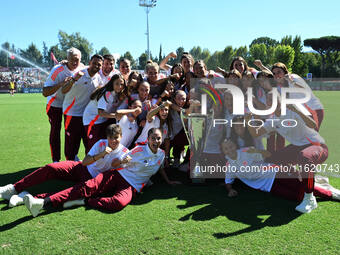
(121,25)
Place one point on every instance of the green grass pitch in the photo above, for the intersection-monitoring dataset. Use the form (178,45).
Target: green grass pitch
(164,219)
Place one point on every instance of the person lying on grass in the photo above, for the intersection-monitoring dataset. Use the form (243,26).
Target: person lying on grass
(101,157)
(247,164)
(124,182)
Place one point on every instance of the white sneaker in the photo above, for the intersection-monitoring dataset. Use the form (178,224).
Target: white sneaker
(34,205)
(327,186)
(308,204)
(17,199)
(71,203)
(6,192)
(336,194)
(184,167)
(176,163)
(182,155)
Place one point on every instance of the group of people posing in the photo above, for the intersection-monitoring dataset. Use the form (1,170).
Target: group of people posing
(129,122)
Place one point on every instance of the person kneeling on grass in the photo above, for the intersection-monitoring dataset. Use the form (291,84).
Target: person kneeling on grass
(104,155)
(124,182)
(248,165)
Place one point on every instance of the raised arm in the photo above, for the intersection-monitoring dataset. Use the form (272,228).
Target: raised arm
(68,85)
(164,62)
(308,120)
(154,111)
(47,91)
(88,160)
(259,64)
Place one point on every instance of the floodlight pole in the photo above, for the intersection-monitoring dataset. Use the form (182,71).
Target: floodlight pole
(147,4)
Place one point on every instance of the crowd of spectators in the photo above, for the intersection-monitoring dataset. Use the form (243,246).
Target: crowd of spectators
(23,77)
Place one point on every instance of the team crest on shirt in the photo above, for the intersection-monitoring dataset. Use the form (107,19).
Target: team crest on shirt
(158,162)
(102,144)
(245,163)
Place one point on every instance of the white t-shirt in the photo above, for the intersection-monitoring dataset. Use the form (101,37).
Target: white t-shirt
(104,164)
(110,105)
(57,75)
(261,178)
(155,123)
(143,165)
(298,135)
(129,130)
(91,113)
(79,95)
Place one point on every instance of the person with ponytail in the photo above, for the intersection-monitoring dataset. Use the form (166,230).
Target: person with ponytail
(104,104)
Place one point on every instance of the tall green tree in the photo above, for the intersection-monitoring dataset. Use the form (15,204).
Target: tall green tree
(269,42)
(284,54)
(328,47)
(313,63)
(213,61)
(104,51)
(67,41)
(205,55)
(142,61)
(3,55)
(46,55)
(258,51)
(299,66)
(196,52)
(160,56)
(33,54)
(226,57)
(242,52)
(287,40)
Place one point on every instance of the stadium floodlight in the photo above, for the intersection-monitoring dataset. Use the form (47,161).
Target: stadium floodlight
(148,4)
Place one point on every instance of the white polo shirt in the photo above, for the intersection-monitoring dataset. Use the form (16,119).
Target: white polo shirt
(129,130)
(143,165)
(57,75)
(261,178)
(104,164)
(299,135)
(78,97)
